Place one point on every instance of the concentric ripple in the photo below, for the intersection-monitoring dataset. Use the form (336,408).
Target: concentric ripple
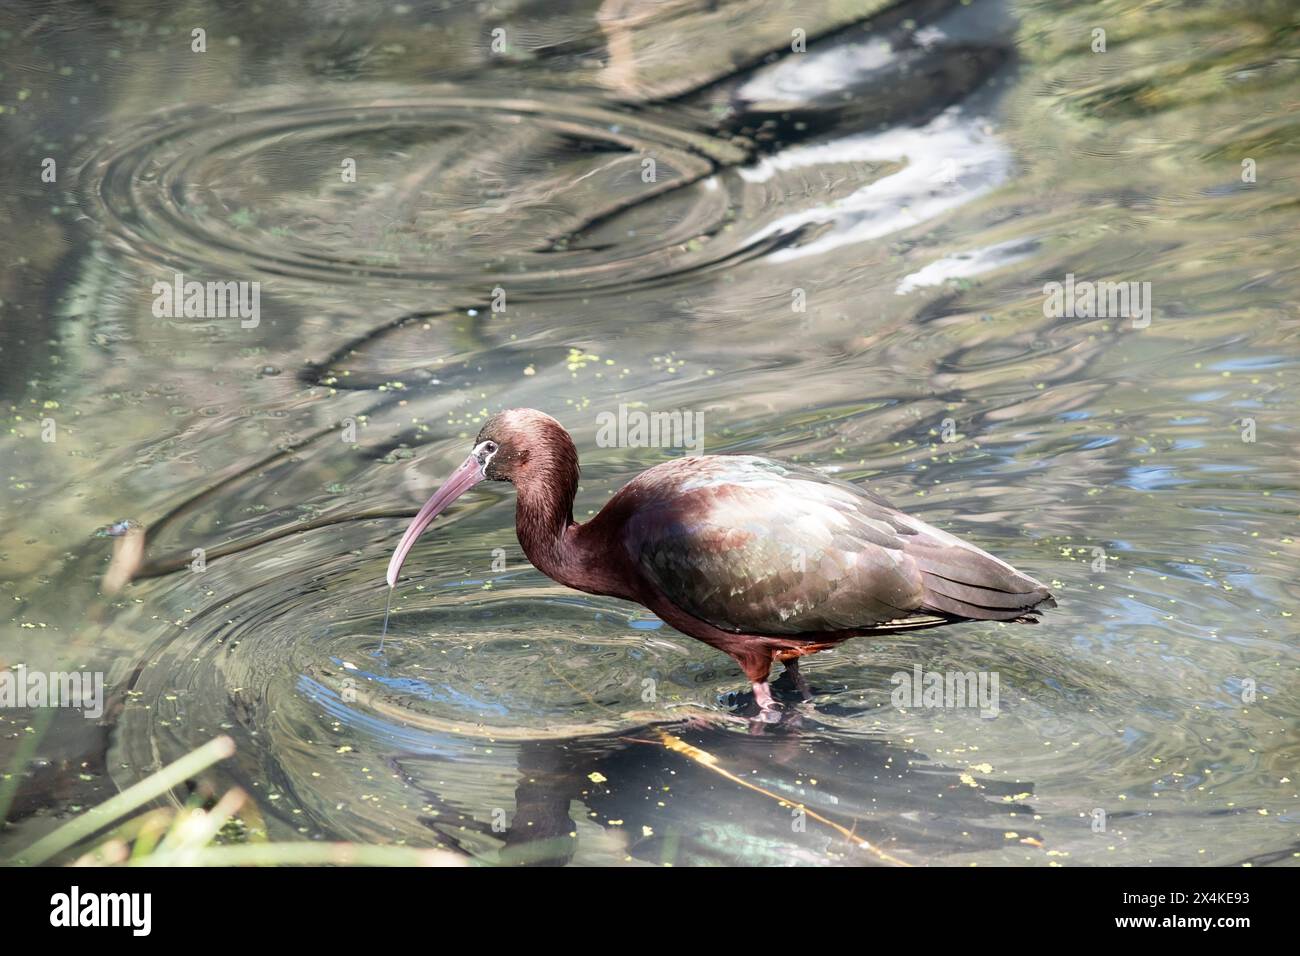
(468,677)
(432,188)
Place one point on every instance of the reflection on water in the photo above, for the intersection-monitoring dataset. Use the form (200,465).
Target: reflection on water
(838,259)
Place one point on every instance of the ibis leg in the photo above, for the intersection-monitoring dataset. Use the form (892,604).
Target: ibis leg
(768,711)
(796,676)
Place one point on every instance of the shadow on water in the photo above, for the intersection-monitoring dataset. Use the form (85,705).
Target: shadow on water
(646,802)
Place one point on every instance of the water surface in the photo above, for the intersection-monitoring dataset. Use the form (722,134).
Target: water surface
(983,152)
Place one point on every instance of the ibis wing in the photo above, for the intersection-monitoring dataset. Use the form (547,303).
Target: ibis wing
(753,546)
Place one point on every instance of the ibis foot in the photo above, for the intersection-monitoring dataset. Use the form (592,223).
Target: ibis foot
(769,711)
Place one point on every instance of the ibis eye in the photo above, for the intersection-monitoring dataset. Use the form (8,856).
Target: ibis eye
(484,452)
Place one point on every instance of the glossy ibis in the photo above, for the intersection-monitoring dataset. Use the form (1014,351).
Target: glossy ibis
(762,560)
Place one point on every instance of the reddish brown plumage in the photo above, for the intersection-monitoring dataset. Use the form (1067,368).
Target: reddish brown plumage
(764,561)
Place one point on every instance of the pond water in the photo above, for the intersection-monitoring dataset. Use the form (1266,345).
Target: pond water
(836,257)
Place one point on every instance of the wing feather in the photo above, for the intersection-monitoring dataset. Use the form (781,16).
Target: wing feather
(753,546)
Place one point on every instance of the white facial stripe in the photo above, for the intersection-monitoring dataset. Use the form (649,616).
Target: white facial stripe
(483,455)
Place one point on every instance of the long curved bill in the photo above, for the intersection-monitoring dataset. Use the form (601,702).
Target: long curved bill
(469,474)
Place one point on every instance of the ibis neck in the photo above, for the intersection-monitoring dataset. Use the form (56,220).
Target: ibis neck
(543,523)
(558,546)
(546,486)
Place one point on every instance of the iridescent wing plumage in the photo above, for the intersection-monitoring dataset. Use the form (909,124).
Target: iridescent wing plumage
(758,547)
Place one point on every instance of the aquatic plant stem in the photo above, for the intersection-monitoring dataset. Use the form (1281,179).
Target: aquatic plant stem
(151,787)
(25,751)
